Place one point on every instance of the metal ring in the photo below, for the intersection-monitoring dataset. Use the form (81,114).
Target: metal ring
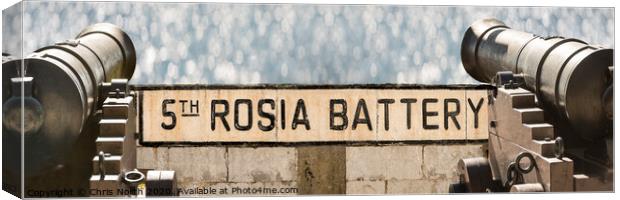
(511,174)
(559,148)
(133,176)
(518,162)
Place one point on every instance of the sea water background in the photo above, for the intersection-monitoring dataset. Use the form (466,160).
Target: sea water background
(223,43)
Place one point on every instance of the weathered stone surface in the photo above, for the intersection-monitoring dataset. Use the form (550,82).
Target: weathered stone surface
(198,165)
(365,187)
(384,162)
(263,164)
(384,121)
(282,188)
(409,186)
(152,157)
(440,161)
(441,186)
(321,169)
(423,186)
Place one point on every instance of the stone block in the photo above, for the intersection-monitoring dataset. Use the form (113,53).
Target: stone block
(384,162)
(195,165)
(440,161)
(152,157)
(263,164)
(423,186)
(321,169)
(365,187)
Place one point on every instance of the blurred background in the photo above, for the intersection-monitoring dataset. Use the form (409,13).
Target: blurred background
(222,43)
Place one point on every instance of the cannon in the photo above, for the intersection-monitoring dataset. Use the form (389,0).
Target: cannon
(567,75)
(52,101)
(550,116)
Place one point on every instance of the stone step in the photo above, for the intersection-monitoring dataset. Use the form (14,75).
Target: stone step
(112,165)
(112,145)
(540,131)
(527,100)
(531,115)
(544,148)
(115,111)
(112,127)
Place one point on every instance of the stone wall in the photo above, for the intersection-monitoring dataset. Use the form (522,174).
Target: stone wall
(311,168)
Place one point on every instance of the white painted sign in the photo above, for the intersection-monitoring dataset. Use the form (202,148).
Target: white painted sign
(273,114)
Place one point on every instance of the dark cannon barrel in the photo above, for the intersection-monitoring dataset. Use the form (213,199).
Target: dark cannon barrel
(567,75)
(63,89)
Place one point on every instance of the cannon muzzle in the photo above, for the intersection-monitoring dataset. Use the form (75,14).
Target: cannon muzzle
(567,75)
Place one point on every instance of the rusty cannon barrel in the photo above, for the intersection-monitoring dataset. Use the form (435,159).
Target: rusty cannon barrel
(61,87)
(567,75)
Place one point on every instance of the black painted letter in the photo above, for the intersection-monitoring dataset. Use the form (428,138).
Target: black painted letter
(249,106)
(342,115)
(408,102)
(166,113)
(361,105)
(476,109)
(426,114)
(301,107)
(221,115)
(451,114)
(386,111)
(270,116)
(282,114)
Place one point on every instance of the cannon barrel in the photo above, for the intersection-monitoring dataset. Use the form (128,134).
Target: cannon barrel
(61,87)
(567,75)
